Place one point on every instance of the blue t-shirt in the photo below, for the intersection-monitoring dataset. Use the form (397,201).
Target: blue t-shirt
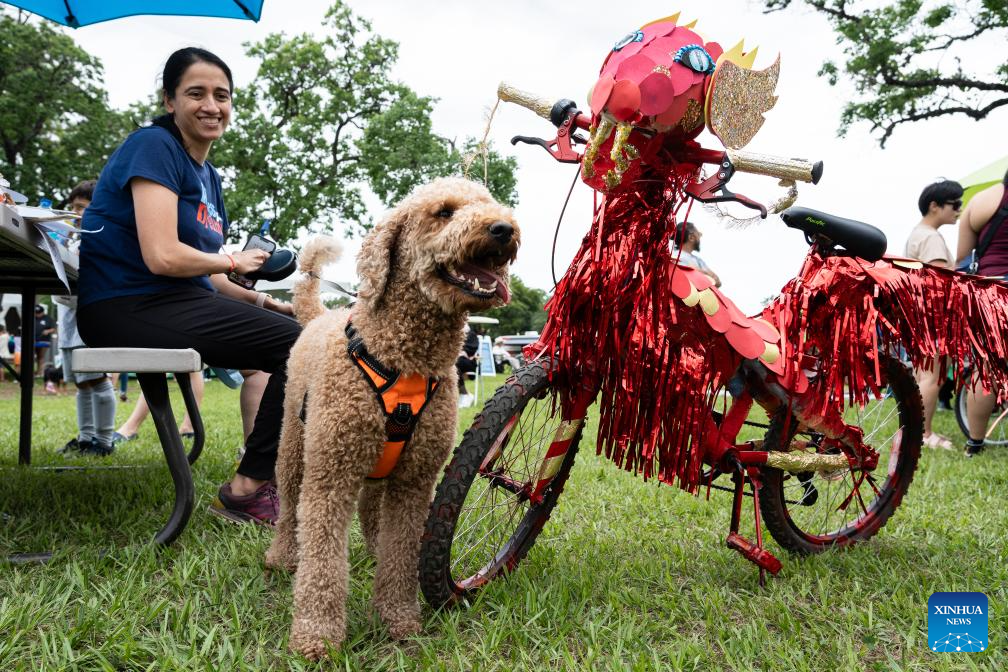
(111,264)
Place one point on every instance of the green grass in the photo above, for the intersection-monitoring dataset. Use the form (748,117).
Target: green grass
(626,575)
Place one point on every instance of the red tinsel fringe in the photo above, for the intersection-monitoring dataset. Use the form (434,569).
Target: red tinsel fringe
(615,325)
(844,311)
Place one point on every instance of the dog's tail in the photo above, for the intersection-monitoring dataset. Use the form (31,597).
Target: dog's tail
(319,251)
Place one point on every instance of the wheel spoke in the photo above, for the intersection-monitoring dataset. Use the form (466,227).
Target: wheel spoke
(497,504)
(844,509)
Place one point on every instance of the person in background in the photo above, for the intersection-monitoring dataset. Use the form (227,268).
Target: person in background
(123,386)
(466,362)
(128,430)
(96,403)
(939,205)
(12,323)
(6,351)
(253,384)
(988,208)
(44,331)
(155,275)
(685,248)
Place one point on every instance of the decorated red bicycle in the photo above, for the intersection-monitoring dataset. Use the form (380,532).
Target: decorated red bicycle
(655,344)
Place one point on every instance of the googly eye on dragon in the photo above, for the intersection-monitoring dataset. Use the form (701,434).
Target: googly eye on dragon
(659,86)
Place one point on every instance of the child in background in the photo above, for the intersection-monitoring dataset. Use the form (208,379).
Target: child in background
(96,403)
(6,352)
(53,378)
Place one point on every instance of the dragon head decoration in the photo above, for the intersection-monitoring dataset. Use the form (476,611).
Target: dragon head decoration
(658,87)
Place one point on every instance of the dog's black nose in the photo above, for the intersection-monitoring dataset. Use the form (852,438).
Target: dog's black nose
(501,231)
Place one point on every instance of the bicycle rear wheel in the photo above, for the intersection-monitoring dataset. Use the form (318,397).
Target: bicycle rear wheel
(999,435)
(809,512)
(484,518)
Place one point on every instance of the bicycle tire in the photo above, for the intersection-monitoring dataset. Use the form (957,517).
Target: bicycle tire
(443,583)
(780,513)
(999,437)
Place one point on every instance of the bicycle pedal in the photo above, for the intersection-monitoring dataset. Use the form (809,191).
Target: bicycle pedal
(761,557)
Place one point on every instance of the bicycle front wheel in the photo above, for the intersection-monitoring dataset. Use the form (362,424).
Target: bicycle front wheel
(808,512)
(997,424)
(498,490)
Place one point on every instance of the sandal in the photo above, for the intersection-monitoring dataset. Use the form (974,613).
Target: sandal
(120,438)
(936,440)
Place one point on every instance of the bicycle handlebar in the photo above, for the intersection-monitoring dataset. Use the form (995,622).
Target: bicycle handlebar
(530,101)
(748,162)
(775,166)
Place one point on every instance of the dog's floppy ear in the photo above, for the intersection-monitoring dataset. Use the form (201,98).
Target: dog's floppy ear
(374,261)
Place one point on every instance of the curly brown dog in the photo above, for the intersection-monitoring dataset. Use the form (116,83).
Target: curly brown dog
(443,251)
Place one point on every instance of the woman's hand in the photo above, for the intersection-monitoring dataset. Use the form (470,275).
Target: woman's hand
(278,306)
(247,261)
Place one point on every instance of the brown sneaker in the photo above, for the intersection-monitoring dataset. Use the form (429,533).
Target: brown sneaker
(262,506)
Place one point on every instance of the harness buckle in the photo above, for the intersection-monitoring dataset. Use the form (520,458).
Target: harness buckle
(399,422)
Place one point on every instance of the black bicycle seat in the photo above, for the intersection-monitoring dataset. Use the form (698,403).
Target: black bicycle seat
(280,265)
(856,239)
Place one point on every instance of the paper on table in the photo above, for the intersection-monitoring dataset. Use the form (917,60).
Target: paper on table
(35,214)
(54,254)
(61,227)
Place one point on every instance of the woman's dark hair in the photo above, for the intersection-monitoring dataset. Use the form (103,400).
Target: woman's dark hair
(175,67)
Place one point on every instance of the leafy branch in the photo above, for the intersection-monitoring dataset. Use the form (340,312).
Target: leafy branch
(905,59)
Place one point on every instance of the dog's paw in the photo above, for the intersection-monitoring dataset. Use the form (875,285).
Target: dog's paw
(400,629)
(281,557)
(312,641)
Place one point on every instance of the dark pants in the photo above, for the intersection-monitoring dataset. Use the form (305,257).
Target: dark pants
(464,365)
(225,332)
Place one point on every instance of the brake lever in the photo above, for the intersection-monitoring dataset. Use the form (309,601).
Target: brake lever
(560,147)
(715,190)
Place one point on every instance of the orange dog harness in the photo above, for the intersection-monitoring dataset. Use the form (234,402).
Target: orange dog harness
(402,400)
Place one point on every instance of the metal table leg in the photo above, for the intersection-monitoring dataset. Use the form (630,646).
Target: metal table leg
(155,389)
(27,373)
(192,408)
(13,372)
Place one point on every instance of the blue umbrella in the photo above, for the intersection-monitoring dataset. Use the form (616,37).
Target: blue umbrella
(77,13)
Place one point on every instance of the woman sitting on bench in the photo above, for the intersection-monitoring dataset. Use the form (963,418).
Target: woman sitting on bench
(153,274)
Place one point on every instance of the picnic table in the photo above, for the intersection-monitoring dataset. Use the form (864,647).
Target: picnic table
(26,267)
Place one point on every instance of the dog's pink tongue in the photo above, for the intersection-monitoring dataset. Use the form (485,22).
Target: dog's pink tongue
(503,292)
(487,278)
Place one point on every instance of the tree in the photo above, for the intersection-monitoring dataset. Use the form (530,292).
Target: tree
(911,60)
(323,120)
(524,312)
(56,127)
(400,150)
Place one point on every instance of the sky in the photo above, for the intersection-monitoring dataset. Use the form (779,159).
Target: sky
(457,51)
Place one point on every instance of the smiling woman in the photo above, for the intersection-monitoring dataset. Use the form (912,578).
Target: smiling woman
(153,274)
(197,98)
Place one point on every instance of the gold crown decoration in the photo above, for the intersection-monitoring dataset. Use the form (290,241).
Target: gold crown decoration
(739,96)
